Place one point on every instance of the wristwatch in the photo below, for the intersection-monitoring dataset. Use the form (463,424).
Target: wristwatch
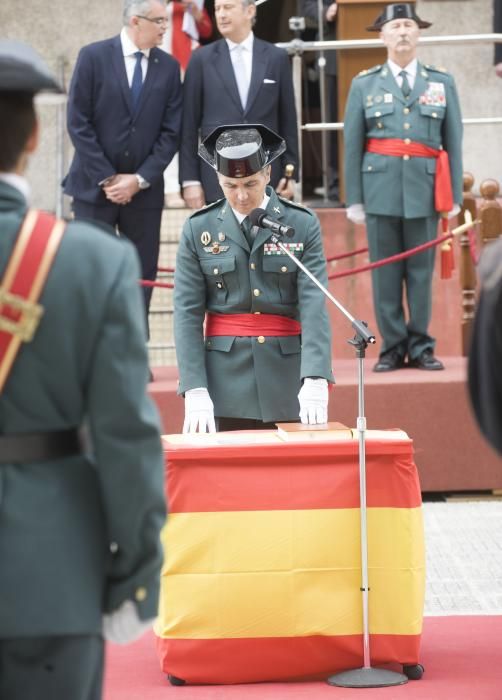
(142,183)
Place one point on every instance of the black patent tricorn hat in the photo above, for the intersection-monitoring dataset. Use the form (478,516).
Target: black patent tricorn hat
(402,10)
(23,70)
(241,150)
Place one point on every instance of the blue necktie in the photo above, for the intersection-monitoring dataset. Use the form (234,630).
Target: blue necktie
(137,80)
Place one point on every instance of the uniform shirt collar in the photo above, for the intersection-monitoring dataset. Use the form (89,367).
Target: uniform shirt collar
(247,44)
(240,217)
(129,48)
(411,69)
(18,182)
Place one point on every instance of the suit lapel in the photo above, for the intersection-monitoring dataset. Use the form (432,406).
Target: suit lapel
(258,72)
(389,84)
(118,63)
(230,226)
(223,65)
(420,83)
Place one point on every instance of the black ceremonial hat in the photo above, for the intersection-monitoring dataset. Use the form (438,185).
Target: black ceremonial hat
(23,70)
(240,150)
(402,10)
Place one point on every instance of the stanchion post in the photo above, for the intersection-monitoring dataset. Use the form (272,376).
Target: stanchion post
(467,267)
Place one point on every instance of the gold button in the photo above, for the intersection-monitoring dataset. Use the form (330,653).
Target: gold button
(261,339)
(434,114)
(406,157)
(406,110)
(284,268)
(253,266)
(215,271)
(406,125)
(219,285)
(141,594)
(378,114)
(114,548)
(256,292)
(370,167)
(380,125)
(407,140)
(257,313)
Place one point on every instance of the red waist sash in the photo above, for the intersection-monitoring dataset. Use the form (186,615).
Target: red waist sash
(443,195)
(250,325)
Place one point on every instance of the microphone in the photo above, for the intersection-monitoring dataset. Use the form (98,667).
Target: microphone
(258,217)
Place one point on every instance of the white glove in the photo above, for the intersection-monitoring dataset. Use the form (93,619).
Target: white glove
(123,625)
(313,398)
(199,412)
(356,213)
(454,212)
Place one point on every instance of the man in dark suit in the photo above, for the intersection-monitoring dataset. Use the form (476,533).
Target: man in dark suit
(124,114)
(79,525)
(238,79)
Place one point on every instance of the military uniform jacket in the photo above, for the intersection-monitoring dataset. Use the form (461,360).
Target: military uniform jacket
(86,365)
(377,108)
(250,377)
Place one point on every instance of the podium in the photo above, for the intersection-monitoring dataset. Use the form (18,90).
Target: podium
(262,571)
(353,17)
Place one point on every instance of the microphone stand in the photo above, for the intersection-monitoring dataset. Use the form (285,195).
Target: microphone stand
(367,676)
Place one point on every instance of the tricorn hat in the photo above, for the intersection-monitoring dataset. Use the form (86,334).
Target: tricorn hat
(401,10)
(23,70)
(240,150)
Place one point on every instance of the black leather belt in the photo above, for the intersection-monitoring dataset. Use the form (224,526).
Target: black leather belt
(39,447)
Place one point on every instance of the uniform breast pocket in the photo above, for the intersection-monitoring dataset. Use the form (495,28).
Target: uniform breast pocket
(432,119)
(378,117)
(280,275)
(222,280)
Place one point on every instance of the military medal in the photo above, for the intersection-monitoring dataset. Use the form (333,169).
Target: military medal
(388,97)
(221,236)
(378,98)
(205,238)
(215,249)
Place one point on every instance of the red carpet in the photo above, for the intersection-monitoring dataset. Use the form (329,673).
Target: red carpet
(462,657)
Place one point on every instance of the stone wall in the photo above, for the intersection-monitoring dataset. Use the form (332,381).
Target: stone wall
(59,28)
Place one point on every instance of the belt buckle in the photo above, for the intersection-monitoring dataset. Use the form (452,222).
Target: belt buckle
(30,314)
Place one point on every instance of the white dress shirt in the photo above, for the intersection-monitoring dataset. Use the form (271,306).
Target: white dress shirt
(410,70)
(129,48)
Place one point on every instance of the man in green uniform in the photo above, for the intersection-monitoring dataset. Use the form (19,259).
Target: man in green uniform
(79,523)
(402,124)
(264,355)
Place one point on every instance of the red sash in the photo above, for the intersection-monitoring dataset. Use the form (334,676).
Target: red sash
(23,282)
(443,195)
(251,325)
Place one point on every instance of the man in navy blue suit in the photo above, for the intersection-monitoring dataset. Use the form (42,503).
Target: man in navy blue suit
(124,119)
(238,79)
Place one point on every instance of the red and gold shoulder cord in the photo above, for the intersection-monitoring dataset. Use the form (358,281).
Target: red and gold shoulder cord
(22,284)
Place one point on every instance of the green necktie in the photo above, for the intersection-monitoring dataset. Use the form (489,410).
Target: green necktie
(246,230)
(405,87)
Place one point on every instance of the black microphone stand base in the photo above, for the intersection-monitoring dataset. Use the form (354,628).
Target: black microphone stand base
(367,678)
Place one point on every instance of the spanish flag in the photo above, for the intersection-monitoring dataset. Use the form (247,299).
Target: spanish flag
(262,573)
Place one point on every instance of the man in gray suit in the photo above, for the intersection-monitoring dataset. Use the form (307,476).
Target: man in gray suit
(79,522)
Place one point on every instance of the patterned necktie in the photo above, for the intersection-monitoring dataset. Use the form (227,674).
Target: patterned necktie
(137,80)
(405,87)
(240,75)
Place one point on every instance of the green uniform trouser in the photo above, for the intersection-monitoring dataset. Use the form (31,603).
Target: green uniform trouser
(387,236)
(51,668)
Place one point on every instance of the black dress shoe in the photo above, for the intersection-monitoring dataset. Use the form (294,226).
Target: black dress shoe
(389,361)
(426,360)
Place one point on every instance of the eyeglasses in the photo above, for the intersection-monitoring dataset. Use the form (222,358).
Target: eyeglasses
(159,21)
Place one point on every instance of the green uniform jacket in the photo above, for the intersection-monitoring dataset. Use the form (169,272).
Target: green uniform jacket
(87,364)
(247,378)
(377,108)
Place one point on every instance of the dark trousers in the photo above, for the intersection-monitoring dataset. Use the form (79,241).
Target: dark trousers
(140,226)
(51,668)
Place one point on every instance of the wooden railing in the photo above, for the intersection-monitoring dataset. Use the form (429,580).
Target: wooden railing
(488,211)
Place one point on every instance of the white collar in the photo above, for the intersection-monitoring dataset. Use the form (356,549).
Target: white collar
(240,217)
(410,69)
(246,44)
(129,48)
(19,183)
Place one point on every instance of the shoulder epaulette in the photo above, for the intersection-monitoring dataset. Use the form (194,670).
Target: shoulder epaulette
(437,69)
(206,208)
(368,71)
(295,205)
